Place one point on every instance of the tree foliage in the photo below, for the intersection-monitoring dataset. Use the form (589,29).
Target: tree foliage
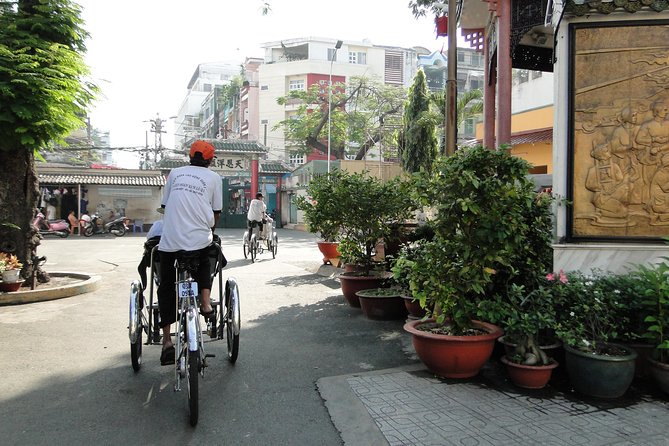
(363,113)
(44,93)
(418,142)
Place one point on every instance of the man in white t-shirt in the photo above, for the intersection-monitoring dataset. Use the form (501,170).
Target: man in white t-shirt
(193,199)
(257,213)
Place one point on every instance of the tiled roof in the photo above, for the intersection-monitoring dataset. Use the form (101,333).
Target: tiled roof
(111,180)
(274,167)
(545,135)
(237,146)
(582,7)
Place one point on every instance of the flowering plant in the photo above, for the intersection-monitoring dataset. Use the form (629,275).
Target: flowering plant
(590,310)
(9,262)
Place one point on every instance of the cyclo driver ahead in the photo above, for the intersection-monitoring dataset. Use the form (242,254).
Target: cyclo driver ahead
(193,200)
(257,216)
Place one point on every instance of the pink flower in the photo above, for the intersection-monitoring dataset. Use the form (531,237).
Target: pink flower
(563,277)
(550,277)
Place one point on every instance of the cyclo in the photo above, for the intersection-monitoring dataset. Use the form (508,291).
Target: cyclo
(254,242)
(190,355)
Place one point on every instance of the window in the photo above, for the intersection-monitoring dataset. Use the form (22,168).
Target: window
(394,67)
(264,87)
(475,83)
(296,158)
(357,57)
(297,84)
(206,87)
(470,127)
(477,59)
(332,55)
(461,56)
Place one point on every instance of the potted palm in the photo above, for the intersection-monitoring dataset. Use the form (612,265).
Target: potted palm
(369,209)
(491,230)
(323,213)
(587,308)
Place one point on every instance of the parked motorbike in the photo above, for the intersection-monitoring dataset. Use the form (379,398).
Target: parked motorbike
(60,228)
(118,226)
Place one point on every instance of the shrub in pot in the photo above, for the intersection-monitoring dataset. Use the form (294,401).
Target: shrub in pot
(656,308)
(491,230)
(322,211)
(369,209)
(587,308)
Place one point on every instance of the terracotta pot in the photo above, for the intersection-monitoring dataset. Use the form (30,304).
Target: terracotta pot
(383,308)
(413,307)
(330,252)
(660,373)
(351,283)
(454,356)
(529,376)
(553,350)
(352,268)
(10,286)
(601,376)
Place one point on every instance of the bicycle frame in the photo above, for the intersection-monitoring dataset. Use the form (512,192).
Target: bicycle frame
(188,334)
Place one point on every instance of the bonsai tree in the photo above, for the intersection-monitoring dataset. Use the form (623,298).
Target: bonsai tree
(491,231)
(321,207)
(369,209)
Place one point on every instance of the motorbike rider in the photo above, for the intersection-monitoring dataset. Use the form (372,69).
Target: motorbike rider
(193,200)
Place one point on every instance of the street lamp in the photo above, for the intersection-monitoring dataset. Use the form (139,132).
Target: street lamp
(334,56)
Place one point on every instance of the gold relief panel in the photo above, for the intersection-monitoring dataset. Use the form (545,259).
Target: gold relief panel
(619,145)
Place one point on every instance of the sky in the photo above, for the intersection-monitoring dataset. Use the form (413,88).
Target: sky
(142,53)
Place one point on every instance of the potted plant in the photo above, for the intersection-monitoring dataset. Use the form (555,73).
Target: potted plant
(525,316)
(382,303)
(491,230)
(323,212)
(10,268)
(656,307)
(403,267)
(586,310)
(369,209)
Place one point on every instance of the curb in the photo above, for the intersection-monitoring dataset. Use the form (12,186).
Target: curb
(90,283)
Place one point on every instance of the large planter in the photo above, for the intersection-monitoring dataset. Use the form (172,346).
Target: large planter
(382,304)
(453,356)
(529,376)
(351,283)
(330,252)
(413,307)
(601,376)
(660,373)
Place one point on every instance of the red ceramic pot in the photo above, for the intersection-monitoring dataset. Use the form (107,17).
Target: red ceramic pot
(454,356)
(330,252)
(529,376)
(351,283)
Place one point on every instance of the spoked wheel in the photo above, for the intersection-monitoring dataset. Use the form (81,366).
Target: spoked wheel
(275,245)
(233,319)
(192,363)
(135,327)
(253,247)
(246,244)
(88,231)
(118,231)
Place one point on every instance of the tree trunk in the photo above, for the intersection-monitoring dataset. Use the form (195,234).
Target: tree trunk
(19,191)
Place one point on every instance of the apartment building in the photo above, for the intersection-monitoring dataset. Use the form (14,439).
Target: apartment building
(297,64)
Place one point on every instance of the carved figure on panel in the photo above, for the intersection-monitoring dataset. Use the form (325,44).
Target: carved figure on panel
(659,194)
(610,189)
(623,149)
(652,140)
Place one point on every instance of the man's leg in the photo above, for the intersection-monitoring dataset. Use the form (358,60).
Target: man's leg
(167,296)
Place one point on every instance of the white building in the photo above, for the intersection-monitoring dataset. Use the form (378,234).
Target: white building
(296,64)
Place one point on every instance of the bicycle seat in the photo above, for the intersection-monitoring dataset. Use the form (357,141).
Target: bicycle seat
(188,260)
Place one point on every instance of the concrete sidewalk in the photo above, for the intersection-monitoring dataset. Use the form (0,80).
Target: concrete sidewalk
(409,406)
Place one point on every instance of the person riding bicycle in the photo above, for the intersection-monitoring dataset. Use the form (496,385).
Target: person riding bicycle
(193,200)
(257,214)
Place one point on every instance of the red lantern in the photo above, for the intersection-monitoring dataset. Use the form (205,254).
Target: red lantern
(442,25)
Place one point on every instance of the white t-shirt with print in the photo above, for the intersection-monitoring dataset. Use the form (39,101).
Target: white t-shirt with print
(190,197)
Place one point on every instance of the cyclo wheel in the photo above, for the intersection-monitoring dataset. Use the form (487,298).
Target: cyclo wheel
(135,327)
(245,246)
(192,364)
(253,248)
(232,319)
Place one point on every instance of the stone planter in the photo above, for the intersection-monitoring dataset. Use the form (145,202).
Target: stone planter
(453,356)
(601,376)
(11,275)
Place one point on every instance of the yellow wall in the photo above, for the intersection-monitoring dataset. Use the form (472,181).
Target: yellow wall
(539,154)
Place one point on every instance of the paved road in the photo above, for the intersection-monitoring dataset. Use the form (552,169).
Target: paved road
(68,379)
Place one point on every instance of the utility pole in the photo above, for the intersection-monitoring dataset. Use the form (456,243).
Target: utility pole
(157,129)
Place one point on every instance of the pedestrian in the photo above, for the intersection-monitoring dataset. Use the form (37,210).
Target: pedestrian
(74,222)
